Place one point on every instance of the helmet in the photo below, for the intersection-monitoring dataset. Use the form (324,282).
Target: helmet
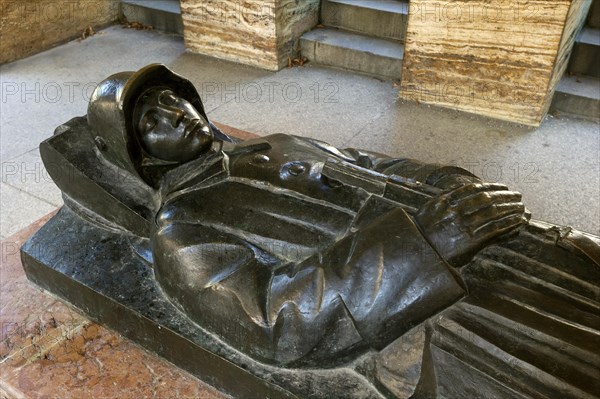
(111,107)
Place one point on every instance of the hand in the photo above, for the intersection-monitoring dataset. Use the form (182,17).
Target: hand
(461,222)
(454,181)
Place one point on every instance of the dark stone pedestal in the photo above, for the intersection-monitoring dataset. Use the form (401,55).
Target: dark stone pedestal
(115,286)
(48,350)
(514,333)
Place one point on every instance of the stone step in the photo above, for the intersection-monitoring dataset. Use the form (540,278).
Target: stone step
(353,51)
(163,15)
(578,95)
(585,59)
(594,15)
(378,18)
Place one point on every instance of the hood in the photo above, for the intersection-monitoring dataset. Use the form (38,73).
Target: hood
(111,107)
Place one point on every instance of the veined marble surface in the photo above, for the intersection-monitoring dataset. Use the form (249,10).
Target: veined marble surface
(495,58)
(254,32)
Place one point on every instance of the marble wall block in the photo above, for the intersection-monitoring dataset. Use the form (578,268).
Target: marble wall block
(28,27)
(262,33)
(499,58)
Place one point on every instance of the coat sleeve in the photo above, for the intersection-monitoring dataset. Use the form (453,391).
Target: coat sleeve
(441,176)
(364,291)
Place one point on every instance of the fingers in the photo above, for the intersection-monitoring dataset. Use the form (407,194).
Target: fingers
(476,205)
(494,212)
(486,211)
(498,227)
(483,200)
(452,182)
(473,189)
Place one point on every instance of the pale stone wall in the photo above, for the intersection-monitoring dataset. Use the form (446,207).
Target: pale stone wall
(576,17)
(261,33)
(30,26)
(490,57)
(294,18)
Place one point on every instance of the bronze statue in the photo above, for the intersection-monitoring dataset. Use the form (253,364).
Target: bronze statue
(301,263)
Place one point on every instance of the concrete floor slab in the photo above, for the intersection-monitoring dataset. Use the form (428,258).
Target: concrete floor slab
(323,103)
(217,81)
(555,167)
(28,174)
(19,210)
(45,90)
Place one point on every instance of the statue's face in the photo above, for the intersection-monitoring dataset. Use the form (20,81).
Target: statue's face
(170,128)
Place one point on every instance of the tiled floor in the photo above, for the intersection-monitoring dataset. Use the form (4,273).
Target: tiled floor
(49,350)
(556,167)
(41,92)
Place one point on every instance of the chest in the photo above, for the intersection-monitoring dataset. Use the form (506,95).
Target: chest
(281,222)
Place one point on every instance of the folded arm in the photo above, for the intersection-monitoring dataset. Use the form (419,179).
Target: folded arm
(441,176)
(364,291)
(465,217)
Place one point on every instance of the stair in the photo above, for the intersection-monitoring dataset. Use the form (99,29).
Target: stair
(163,15)
(578,95)
(586,53)
(364,36)
(578,92)
(379,18)
(594,15)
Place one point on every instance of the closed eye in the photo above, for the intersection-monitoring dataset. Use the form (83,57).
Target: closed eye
(149,122)
(168,99)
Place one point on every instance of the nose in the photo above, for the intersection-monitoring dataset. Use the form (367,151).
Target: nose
(173,115)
